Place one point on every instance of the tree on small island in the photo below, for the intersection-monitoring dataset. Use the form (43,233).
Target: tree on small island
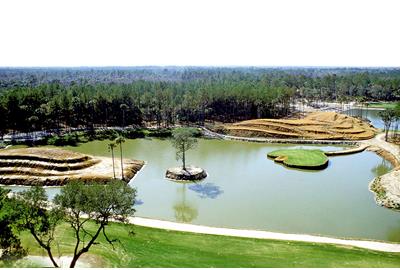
(183,140)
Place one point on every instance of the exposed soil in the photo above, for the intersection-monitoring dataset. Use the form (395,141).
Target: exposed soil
(46,166)
(316,125)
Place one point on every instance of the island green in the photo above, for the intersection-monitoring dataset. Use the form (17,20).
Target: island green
(301,158)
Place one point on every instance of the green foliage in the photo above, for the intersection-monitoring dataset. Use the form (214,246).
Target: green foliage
(9,242)
(159,133)
(188,95)
(388,116)
(68,139)
(183,140)
(383,105)
(35,217)
(77,204)
(100,203)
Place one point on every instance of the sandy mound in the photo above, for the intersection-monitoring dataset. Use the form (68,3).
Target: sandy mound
(53,167)
(317,125)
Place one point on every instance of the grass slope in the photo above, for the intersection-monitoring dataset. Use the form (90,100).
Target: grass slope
(162,248)
(383,105)
(300,158)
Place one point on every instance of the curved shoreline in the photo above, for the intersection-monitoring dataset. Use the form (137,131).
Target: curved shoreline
(373,245)
(256,234)
(378,145)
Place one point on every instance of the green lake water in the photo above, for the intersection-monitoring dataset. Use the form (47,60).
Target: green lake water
(245,189)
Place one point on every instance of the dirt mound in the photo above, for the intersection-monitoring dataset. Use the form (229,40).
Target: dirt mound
(317,125)
(53,167)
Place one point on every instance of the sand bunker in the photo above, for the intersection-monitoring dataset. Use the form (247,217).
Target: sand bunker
(317,125)
(54,167)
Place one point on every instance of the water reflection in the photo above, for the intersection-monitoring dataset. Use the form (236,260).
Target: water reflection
(393,234)
(207,190)
(184,210)
(372,115)
(138,202)
(382,168)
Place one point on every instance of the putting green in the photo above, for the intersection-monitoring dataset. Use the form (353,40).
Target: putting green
(301,158)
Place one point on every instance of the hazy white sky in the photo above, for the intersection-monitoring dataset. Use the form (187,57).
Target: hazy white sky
(202,32)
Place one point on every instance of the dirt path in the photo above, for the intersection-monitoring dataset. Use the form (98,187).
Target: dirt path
(379,141)
(182,227)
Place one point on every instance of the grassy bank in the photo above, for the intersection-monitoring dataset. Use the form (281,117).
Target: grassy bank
(300,158)
(162,248)
(382,105)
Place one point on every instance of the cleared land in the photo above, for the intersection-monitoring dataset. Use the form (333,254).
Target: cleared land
(301,158)
(162,248)
(53,167)
(317,125)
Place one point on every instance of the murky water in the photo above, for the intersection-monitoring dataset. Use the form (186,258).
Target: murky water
(245,189)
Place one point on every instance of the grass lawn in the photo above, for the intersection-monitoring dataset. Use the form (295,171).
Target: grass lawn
(383,105)
(162,248)
(300,158)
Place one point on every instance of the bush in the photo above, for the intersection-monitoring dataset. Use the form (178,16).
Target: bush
(68,139)
(160,133)
(134,133)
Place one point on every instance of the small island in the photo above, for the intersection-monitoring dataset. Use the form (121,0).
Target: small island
(190,173)
(301,158)
(183,139)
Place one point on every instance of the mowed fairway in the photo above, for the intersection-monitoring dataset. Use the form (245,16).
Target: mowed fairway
(162,248)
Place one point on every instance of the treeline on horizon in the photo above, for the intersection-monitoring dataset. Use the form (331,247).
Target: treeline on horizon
(41,98)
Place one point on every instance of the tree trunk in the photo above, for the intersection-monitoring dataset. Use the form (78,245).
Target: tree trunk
(123,119)
(51,258)
(386,133)
(184,159)
(85,249)
(112,154)
(46,247)
(122,162)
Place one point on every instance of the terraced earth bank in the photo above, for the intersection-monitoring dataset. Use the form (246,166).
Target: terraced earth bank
(54,167)
(317,125)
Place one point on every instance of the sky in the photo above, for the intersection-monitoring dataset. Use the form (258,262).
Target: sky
(200,33)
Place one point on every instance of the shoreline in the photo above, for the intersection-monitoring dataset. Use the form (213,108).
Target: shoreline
(368,244)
